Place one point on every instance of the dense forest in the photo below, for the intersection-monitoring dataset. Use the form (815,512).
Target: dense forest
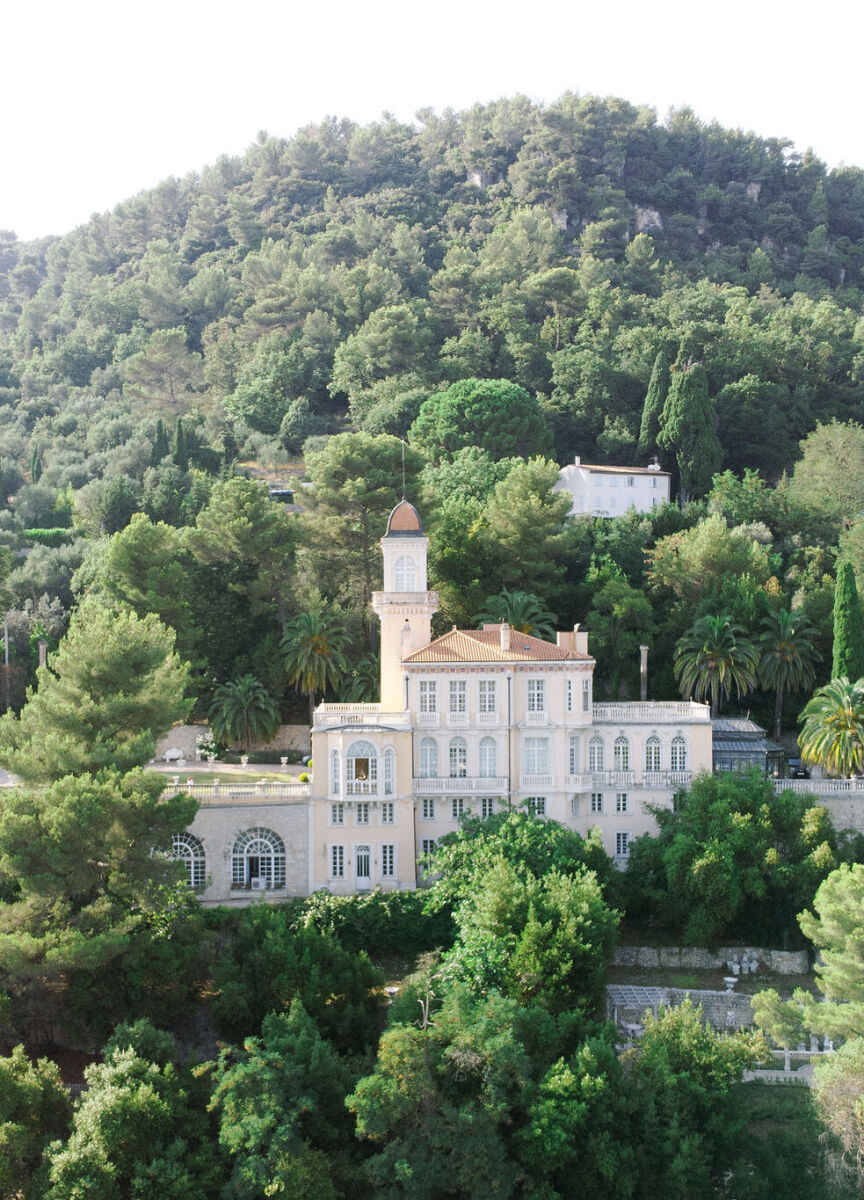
(539,280)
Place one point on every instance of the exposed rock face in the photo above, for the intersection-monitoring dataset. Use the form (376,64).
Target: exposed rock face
(559,216)
(478,178)
(648,218)
(753,190)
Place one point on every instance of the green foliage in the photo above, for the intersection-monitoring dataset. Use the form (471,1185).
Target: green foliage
(828,476)
(787,660)
(243,711)
(493,414)
(35,1108)
(50,537)
(848,626)
(113,686)
(313,652)
(281,1107)
(687,427)
(832,728)
(377,922)
(139,1129)
(655,400)
(268,964)
(732,859)
(522,611)
(713,658)
(838,1087)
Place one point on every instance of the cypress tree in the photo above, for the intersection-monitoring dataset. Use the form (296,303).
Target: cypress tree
(160,445)
(181,451)
(848,627)
(687,426)
(35,466)
(655,398)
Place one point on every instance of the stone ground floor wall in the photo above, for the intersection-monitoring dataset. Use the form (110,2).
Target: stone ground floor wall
(218,826)
(783,962)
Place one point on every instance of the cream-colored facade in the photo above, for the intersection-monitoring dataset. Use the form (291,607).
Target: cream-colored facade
(475,721)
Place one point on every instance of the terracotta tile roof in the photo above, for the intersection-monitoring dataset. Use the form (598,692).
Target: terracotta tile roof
(484,645)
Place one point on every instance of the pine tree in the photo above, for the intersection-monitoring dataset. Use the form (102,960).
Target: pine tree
(35,465)
(160,445)
(655,398)
(687,426)
(848,627)
(181,450)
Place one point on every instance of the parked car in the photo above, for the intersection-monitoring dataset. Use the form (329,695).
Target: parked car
(797,770)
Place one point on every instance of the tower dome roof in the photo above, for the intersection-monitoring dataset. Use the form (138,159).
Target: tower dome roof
(404,521)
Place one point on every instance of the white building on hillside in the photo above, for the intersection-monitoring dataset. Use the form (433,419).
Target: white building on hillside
(476,721)
(610,491)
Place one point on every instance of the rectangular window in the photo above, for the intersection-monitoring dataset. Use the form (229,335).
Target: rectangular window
(536,805)
(622,845)
(387,812)
(429,846)
(621,802)
(362,817)
(487,696)
(536,695)
(597,802)
(569,695)
(337,814)
(458,807)
(574,807)
(586,695)
(427,810)
(428,696)
(573,756)
(653,481)
(487,806)
(337,862)
(388,861)
(631,482)
(536,756)
(458,696)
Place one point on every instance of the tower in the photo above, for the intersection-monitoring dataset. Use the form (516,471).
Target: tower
(405,608)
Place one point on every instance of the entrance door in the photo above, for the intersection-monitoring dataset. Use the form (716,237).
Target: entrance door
(362,866)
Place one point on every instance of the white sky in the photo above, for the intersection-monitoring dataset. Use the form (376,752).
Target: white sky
(103,99)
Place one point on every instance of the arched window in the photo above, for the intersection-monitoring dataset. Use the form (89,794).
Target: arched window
(595,754)
(621,753)
(458,758)
(406,574)
(334,772)
(652,754)
(361,769)
(188,848)
(428,758)
(388,772)
(258,860)
(678,755)
(487,757)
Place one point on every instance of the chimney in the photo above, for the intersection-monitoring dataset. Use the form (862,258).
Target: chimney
(643,672)
(504,630)
(577,459)
(580,640)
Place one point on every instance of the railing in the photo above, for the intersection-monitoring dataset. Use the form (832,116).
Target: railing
(229,793)
(491,784)
(536,718)
(457,719)
(427,718)
(487,718)
(821,787)
(361,787)
(652,712)
(592,781)
(328,716)
(667,778)
(531,781)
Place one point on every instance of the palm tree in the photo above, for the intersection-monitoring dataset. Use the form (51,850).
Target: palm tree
(832,727)
(313,647)
(788,658)
(713,658)
(243,711)
(523,611)
(364,680)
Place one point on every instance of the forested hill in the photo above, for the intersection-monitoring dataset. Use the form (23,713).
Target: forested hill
(357,268)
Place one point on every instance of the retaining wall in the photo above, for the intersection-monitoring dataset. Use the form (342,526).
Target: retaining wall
(784,962)
(185,738)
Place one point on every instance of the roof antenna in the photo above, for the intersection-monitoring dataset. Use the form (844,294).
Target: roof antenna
(403,470)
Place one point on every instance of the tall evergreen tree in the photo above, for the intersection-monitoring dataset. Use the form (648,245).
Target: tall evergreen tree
(687,426)
(160,444)
(655,398)
(181,449)
(35,465)
(848,627)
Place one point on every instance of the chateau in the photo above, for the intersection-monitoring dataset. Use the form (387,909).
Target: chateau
(474,721)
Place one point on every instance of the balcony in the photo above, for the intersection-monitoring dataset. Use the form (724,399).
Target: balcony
(457,719)
(666,779)
(488,785)
(652,712)
(535,781)
(332,716)
(427,719)
(487,718)
(537,718)
(361,787)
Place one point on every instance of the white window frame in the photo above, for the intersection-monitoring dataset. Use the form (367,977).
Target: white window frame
(428,765)
(488,758)
(458,807)
(596,802)
(188,849)
(337,861)
(535,805)
(457,753)
(388,812)
(622,802)
(622,843)
(573,755)
(586,694)
(335,772)
(405,574)
(428,696)
(261,844)
(388,860)
(653,753)
(337,813)
(427,808)
(389,764)
(488,696)
(361,813)
(569,695)
(621,753)
(487,806)
(536,695)
(428,846)
(536,755)
(458,696)
(596,754)
(678,753)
